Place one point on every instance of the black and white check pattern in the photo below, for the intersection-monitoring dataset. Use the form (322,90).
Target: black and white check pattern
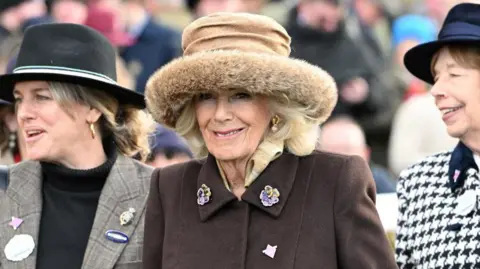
(429,233)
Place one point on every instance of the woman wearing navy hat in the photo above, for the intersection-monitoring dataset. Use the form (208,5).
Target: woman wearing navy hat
(80,200)
(439,212)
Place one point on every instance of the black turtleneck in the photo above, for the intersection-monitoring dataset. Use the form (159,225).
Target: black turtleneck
(70,199)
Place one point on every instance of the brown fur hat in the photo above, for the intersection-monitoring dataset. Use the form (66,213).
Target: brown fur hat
(226,51)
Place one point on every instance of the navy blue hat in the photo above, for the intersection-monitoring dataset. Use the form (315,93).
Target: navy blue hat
(461,26)
(166,139)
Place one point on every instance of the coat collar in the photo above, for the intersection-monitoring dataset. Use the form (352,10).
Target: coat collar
(279,174)
(461,161)
(125,187)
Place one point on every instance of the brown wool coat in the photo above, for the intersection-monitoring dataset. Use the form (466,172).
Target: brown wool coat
(325,218)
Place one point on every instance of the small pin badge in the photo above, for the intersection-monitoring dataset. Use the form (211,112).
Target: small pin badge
(19,247)
(127,217)
(270,251)
(456,174)
(116,236)
(203,195)
(16,222)
(269,196)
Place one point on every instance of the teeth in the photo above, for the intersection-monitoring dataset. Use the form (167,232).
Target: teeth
(229,133)
(448,110)
(32,133)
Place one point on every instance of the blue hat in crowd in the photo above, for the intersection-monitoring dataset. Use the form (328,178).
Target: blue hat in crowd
(413,27)
(168,140)
(461,26)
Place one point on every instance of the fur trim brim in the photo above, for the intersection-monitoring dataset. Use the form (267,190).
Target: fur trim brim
(174,85)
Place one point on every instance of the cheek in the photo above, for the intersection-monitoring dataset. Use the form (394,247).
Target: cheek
(256,116)
(202,115)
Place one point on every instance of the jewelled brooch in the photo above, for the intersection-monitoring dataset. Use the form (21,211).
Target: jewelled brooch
(203,195)
(269,196)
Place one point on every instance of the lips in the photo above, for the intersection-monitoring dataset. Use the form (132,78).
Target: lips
(448,110)
(34,133)
(228,133)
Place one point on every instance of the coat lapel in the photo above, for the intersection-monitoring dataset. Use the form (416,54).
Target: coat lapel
(23,200)
(124,189)
(279,174)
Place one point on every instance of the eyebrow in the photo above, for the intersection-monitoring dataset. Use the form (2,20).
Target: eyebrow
(16,91)
(449,66)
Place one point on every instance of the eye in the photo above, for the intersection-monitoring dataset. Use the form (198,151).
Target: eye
(241,95)
(42,97)
(205,96)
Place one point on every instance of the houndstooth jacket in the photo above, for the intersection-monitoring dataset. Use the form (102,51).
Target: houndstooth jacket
(431,233)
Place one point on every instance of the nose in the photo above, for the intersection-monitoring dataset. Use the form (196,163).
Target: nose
(223,110)
(437,90)
(24,112)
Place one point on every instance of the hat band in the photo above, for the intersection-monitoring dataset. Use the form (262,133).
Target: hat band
(460,30)
(58,70)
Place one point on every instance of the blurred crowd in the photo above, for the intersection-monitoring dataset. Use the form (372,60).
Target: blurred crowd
(383,114)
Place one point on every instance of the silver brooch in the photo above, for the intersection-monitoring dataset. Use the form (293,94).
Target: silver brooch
(127,217)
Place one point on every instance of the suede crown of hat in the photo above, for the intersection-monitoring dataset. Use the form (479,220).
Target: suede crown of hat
(69,53)
(248,33)
(461,26)
(239,51)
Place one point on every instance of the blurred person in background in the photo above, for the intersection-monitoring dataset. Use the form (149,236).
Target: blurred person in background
(320,36)
(68,11)
(439,212)
(79,201)
(417,122)
(168,148)
(343,135)
(407,32)
(9,20)
(107,22)
(154,44)
(17,15)
(374,25)
(200,8)
(12,142)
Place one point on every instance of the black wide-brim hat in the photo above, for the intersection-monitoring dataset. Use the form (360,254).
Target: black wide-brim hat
(461,26)
(70,53)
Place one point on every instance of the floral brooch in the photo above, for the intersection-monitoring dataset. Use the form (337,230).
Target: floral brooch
(203,195)
(269,196)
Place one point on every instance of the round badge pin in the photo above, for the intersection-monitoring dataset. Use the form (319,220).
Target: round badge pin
(19,247)
(116,236)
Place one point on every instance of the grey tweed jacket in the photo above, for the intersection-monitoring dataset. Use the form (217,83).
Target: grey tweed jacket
(126,187)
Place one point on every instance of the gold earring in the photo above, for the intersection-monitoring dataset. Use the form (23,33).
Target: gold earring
(92,130)
(275,121)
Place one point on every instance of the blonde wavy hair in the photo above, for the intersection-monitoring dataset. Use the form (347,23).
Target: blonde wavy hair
(130,127)
(296,129)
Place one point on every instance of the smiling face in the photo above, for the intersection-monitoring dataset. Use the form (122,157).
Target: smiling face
(457,91)
(51,134)
(232,124)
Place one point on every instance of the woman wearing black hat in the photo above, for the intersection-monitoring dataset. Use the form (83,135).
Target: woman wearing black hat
(439,212)
(80,201)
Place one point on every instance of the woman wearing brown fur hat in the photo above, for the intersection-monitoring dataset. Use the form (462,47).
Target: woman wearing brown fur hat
(262,197)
